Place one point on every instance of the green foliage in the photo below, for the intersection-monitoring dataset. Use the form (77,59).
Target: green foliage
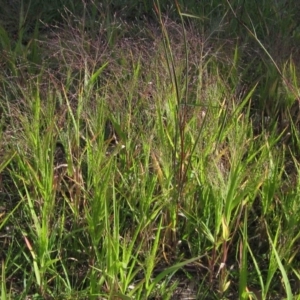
(148,144)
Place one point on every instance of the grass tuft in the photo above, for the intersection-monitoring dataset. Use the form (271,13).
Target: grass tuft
(149,151)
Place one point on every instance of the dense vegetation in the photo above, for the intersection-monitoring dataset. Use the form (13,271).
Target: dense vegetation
(149,150)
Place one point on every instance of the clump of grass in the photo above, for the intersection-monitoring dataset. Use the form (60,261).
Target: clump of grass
(194,181)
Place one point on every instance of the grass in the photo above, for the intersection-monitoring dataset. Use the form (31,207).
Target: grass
(149,152)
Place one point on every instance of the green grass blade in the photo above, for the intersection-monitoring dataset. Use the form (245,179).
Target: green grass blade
(286,281)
